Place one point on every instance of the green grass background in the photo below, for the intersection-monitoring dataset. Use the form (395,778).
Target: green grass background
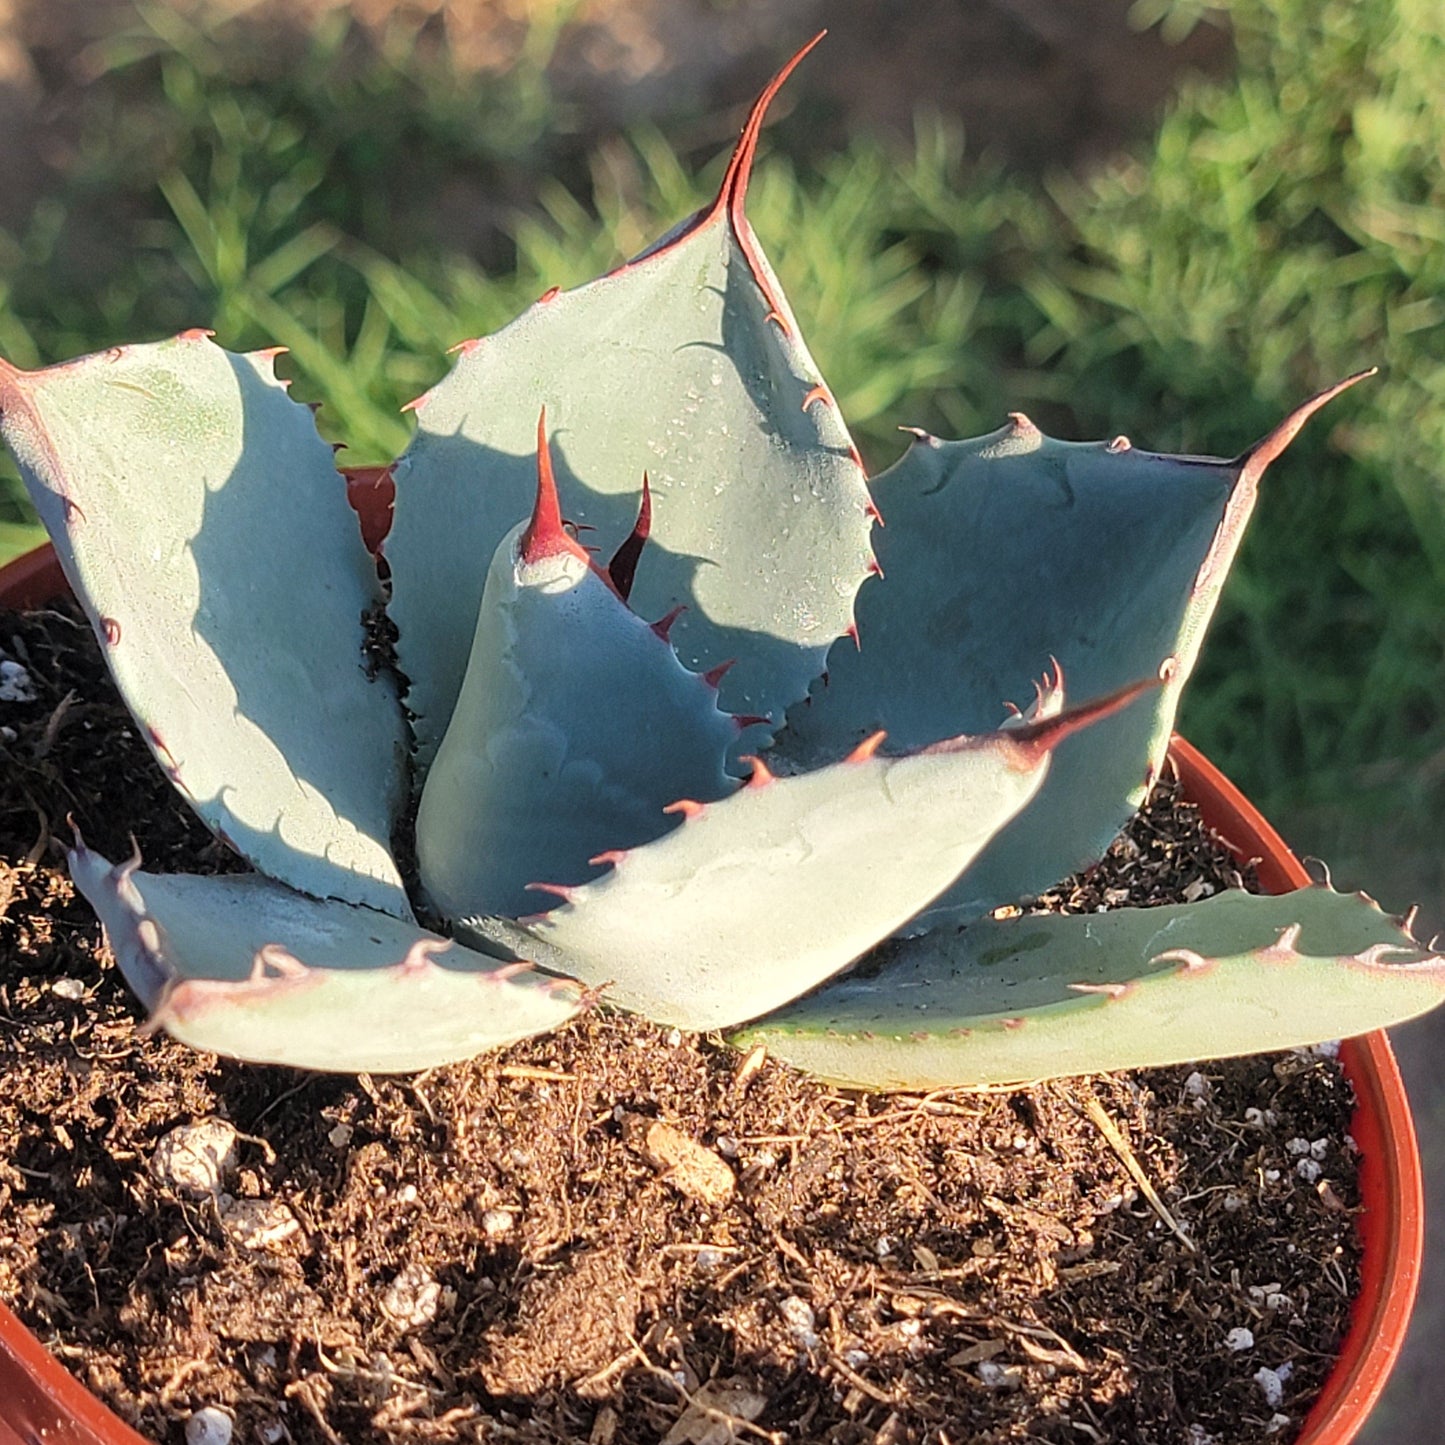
(1282,227)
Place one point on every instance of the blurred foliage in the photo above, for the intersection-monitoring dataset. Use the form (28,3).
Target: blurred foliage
(1286,229)
(369,207)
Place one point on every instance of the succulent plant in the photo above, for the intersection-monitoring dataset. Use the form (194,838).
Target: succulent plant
(569,738)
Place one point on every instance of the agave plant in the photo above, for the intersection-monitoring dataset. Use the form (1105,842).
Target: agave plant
(569,739)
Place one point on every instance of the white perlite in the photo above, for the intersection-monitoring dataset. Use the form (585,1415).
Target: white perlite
(194,1158)
(997,1376)
(1270,1295)
(1271,1382)
(413,1297)
(497,1222)
(16,685)
(209,1426)
(1239,1338)
(259,1223)
(800,1319)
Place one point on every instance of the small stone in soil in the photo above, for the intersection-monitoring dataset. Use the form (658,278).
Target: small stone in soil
(497,1222)
(413,1298)
(209,1426)
(194,1158)
(259,1223)
(15,683)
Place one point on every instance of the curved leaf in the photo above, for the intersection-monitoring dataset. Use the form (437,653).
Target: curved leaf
(1047,995)
(575,726)
(246,967)
(758,897)
(1003,551)
(201,522)
(685,363)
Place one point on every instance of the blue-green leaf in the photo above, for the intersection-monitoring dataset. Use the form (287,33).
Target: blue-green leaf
(687,364)
(760,896)
(203,526)
(249,968)
(1041,996)
(575,727)
(1004,551)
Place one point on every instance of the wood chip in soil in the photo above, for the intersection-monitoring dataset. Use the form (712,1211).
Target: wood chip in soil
(616,1234)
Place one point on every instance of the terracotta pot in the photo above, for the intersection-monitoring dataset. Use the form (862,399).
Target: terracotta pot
(1392,1224)
(42,1404)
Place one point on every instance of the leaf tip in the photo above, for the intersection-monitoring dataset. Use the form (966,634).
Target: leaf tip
(733,192)
(1268,448)
(546,536)
(1042,735)
(622,569)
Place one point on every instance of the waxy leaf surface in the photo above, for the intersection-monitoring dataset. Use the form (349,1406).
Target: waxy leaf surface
(249,968)
(576,726)
(762,895)
(201,522)
(1002,552)
(686,364)
(1041,996)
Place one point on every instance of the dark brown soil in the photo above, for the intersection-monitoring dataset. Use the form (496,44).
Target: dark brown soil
(617,1234)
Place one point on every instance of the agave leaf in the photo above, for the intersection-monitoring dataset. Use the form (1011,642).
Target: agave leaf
(575,727)
(1043,996)
(246,967)
(760,896)
(202,524)
(1012,547)
(685,363)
